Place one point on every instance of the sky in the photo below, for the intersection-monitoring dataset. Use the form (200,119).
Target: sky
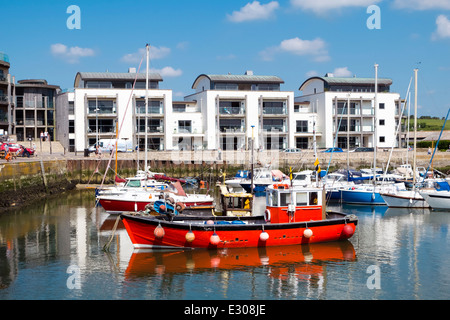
(292,39)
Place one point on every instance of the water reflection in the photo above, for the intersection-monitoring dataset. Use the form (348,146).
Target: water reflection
(39,243)
(287,268)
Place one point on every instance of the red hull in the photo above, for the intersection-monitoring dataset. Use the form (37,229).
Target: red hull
(142,232)
(120,206)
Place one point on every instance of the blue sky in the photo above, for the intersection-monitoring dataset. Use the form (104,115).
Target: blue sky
(293,39)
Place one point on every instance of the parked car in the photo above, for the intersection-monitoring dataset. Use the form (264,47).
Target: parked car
(333,150)
(13,147)
(292,150)
(362,149)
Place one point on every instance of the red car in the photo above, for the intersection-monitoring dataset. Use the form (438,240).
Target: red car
(19,149)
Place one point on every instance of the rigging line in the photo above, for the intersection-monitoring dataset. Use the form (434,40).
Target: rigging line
(123,119)
(335,139)
(396,133)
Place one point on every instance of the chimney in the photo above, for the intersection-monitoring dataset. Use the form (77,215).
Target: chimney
(131,70)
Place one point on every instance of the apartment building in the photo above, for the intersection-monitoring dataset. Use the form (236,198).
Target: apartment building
(344,112)
(105,102)
(236,107)
(35,109)
(6,97)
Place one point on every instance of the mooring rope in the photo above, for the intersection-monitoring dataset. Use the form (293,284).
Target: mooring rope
(108,244)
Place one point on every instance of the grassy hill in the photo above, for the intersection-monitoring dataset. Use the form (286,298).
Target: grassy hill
(425,123)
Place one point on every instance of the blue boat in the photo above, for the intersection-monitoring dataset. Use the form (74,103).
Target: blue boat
(363,195)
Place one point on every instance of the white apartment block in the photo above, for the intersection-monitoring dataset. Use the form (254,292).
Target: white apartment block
(343,109)
(227,110)
(236,107)
(106,101)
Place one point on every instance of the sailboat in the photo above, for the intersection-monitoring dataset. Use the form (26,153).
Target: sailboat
(408,198)
(368,193)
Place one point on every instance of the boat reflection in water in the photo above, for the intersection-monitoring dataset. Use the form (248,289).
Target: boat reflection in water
(303,260)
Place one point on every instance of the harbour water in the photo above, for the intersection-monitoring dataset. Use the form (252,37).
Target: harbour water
(53,250)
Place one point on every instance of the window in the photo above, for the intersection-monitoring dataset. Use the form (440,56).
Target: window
(230,107)
(230,125)
(381,105)
(313,198)
(273,125)
(274,107)
(104,106)
(381,122)
(302,143)
(302,126)
(382,139)
(301,199)
(184,126)
(71,108)
(71,126)
(99,84)
(226,86)
(285,199)
(179,108)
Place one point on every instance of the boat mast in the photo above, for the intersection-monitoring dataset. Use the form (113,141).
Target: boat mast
(146,105)
(415,128)
(375,107)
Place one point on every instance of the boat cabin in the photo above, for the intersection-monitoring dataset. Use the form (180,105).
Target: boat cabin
(236,204)
(285,204)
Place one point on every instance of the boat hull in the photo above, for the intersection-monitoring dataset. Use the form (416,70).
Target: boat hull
(437,200)
(362,197)
(248,234)
(118,205)
(405,200)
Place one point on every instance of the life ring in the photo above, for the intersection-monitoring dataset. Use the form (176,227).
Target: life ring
(180,206)
(281,186)
(267,215)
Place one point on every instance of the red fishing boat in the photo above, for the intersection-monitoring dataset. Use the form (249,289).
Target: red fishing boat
(293,215)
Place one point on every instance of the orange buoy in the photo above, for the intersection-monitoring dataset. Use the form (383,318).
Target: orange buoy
(215,239)
(190,236)
(159,232)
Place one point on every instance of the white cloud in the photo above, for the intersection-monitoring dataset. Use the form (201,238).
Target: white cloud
(422,5)
(322,6)
(342,72)
(254,11)
(155,53)
(315,48)
(168,72)
(443,28)
(70,54)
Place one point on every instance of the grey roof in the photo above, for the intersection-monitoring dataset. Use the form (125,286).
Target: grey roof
(239,78)
(349,81)
(118,76)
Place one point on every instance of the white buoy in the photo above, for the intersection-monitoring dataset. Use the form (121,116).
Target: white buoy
(264,236)
(307,233)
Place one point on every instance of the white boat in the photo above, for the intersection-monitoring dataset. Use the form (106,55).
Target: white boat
(405,199)
(439,197)
(263,177)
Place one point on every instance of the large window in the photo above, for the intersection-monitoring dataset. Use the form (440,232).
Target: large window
(230,107)
(102,106)
(274,107)
(273,125)
(184,126)
(233,125)
(302,126)
(154,107)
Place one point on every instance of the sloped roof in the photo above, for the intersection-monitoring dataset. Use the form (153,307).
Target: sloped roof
(234,78)
(349,81)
